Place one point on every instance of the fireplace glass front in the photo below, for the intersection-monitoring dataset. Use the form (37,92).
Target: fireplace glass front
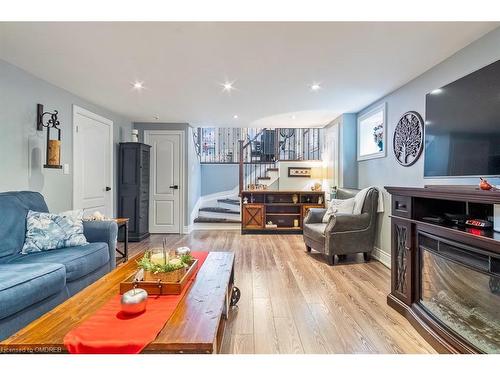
(460,288)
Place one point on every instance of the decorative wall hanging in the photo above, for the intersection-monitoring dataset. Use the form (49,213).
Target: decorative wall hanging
(408,138)
(53,148)
(299,172)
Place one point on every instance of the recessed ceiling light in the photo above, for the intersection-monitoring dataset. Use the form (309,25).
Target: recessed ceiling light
(293,117)
(138,85)
(227,86)
(315,87)
(235,117)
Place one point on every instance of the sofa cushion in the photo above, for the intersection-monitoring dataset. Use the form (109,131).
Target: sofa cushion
(78,260)
(13,208)
(315,231)
(22,285)
(46,231)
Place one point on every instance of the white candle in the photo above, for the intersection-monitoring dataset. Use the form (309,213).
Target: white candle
(158,258)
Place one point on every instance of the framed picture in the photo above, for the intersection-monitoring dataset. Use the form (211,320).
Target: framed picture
(372,133)
(299,172)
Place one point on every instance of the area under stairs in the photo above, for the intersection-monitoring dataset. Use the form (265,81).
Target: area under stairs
(227,210)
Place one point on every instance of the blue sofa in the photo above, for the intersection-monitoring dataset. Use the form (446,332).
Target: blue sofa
(31,285)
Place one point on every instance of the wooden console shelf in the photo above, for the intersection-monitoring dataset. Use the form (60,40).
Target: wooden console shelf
(279,207)
(445,275)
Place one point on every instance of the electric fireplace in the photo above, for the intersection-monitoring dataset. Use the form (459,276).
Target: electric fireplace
(459,285)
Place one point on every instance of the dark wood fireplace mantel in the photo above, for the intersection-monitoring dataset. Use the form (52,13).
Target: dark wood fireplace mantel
(423,214)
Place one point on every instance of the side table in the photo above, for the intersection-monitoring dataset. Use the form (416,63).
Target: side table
(122,222)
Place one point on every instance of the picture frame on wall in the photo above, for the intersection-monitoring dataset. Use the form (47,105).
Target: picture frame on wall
(299,172)
(372,133)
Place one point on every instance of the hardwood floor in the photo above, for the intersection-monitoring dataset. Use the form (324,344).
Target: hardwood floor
(293,302)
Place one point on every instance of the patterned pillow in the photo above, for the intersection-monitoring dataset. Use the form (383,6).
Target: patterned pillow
(339,206)
(46,231)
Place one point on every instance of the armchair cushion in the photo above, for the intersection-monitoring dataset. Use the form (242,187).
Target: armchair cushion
(314,215)
(351,222)
(315,231)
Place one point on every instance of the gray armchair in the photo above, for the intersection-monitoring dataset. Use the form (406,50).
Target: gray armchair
(344,233)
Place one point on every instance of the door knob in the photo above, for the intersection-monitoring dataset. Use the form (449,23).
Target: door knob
(174,186)
(108,188)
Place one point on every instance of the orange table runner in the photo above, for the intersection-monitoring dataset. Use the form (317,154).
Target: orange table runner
(109,331)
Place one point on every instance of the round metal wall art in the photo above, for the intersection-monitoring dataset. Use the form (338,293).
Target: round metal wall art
(408,140)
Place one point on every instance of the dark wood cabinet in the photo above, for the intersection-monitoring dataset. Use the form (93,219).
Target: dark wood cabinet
(133,188)
(401,266)
(443,268)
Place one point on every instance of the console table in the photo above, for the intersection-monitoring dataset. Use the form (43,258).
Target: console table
(286,209)
(445,275)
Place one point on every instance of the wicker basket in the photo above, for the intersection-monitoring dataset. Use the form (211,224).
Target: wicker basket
(165,277)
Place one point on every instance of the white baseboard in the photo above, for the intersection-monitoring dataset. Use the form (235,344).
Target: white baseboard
(187,229)
(382,256)
(216,226)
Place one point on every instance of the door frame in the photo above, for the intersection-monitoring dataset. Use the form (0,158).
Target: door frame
(182,158)
(77,110)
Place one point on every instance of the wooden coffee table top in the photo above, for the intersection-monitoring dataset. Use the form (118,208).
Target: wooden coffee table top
(192,328)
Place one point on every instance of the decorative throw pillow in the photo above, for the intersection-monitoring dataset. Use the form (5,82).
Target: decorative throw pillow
(45,231)
(339,206)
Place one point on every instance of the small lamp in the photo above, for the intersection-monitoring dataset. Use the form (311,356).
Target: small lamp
(317,174)
(53,154)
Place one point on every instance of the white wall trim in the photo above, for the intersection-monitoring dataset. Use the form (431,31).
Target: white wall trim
(182,158)
(194,212)
(216,226)
(382,256)
(76,152)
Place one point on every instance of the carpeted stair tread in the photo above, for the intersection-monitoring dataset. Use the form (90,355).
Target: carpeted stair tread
(215,220)
(234,202)
(220,210)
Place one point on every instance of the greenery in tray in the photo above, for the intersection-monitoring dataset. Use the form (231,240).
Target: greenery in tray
(147,265)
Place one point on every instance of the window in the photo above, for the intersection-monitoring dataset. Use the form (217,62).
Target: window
(372,131)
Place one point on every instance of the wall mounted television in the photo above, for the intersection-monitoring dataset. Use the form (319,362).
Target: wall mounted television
(462,126)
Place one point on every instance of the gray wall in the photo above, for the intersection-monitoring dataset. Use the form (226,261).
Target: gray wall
(347,163)
(192,175)
(21,163)
(386,171)
(218,177)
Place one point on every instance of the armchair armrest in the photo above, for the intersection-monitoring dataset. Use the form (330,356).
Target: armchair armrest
(350,223)
(314,215)
(103,231)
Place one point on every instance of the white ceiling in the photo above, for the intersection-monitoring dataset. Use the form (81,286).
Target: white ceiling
(271,64)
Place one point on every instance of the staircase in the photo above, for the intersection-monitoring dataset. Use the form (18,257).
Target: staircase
(226,209)
(222,210)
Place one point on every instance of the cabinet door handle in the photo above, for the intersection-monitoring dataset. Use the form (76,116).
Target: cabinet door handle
(108,188)
(174,187)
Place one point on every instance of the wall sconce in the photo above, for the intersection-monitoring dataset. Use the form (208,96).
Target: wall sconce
(53,156)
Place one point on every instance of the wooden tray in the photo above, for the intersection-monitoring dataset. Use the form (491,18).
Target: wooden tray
(158,287)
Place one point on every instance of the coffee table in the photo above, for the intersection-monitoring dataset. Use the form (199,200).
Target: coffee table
(196,326)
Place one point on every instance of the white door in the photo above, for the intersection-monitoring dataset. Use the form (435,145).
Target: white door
(92,162)
(165,203)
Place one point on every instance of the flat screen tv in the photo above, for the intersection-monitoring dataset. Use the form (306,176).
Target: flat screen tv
(462,126)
